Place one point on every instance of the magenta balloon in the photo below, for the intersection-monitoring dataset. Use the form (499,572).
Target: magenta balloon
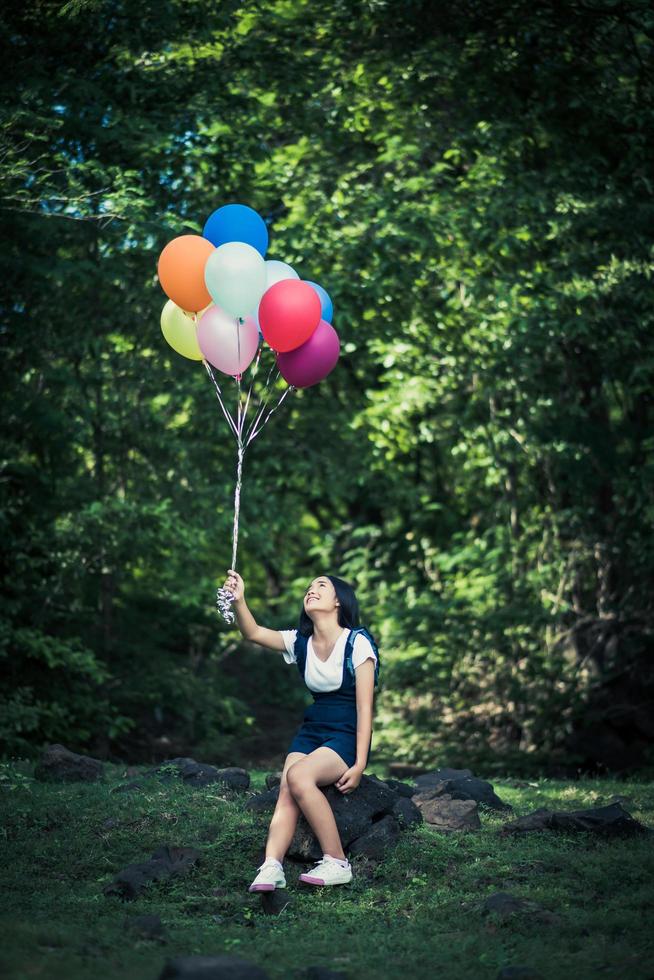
(313,360)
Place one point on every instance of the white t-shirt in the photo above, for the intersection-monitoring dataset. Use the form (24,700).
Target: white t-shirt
(328,675)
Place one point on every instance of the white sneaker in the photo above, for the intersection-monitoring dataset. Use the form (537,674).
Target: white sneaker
(270,876)
(328,872)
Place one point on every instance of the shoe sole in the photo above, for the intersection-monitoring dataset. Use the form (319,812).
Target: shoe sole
(264,888)
(309,880)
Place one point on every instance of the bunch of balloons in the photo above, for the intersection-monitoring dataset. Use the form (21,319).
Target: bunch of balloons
(224,295)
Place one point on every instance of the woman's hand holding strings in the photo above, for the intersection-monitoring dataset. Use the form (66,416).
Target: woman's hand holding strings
(235,584)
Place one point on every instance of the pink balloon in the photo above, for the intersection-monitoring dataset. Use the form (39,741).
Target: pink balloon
(313,360)
(219,337)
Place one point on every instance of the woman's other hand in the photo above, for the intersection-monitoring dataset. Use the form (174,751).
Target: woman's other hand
(235,584)
(350,779)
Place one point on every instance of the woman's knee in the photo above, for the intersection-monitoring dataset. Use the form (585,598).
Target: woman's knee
(285,797)
(297,781)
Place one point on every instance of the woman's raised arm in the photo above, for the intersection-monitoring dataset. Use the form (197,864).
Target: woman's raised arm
(246,622)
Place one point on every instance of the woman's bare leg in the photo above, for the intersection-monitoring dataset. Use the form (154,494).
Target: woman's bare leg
(285,817)
(322,767)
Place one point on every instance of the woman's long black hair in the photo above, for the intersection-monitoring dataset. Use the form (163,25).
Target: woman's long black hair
(348,609)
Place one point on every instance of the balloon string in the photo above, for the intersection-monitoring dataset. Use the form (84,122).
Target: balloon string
(254,371)
(225,598)
(237,502)
(219,396)
(263,401)
(241,448)
(273,409)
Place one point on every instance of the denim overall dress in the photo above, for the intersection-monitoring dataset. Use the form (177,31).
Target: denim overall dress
(332,718)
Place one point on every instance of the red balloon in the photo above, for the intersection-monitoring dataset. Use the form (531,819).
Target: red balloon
(289,312)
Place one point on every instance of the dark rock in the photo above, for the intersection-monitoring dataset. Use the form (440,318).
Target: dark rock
(58,764)
(202,774)
(459,787)
(608,821)
(471,788)
(211,968)
(179,763)
(406,812)
(519,972)
(276,901)
(354,813)
(305,846)
(404,789)
(618,798)
(429,780)
(374,844)
(504,905)
(164,863)
(261,802)
(233,777)
(145,926)
(273,779)
(430,794)
(371,795)
(446,814)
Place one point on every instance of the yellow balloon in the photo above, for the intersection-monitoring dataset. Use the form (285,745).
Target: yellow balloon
(179,331)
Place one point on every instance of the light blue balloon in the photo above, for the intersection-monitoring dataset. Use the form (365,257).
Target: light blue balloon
(236,223)
(325,301)
(235,276)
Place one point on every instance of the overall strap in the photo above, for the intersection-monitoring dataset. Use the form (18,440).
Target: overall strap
(349,648)
(300,650)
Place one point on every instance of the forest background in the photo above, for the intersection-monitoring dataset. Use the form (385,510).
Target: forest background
(472,183)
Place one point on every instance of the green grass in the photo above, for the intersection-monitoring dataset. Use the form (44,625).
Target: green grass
(416,914)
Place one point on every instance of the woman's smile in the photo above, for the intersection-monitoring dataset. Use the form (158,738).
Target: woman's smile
(319,585)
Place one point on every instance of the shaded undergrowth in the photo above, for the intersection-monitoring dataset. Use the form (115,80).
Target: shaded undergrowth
(418,913)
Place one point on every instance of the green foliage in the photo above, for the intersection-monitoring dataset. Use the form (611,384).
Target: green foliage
(470,183)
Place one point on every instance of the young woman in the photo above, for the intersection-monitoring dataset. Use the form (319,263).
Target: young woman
(339,663)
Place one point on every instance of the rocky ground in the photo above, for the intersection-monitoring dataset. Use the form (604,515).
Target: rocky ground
(372,820)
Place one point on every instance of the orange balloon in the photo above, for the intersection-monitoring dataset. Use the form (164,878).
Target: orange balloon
(181,271)
(195,313)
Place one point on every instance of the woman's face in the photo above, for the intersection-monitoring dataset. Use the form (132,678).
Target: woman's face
(320,596)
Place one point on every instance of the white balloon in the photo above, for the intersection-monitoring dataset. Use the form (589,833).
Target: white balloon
(276,271)
(235,275)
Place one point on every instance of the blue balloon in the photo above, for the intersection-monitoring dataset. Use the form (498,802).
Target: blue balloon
(237,223)
(325,301)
